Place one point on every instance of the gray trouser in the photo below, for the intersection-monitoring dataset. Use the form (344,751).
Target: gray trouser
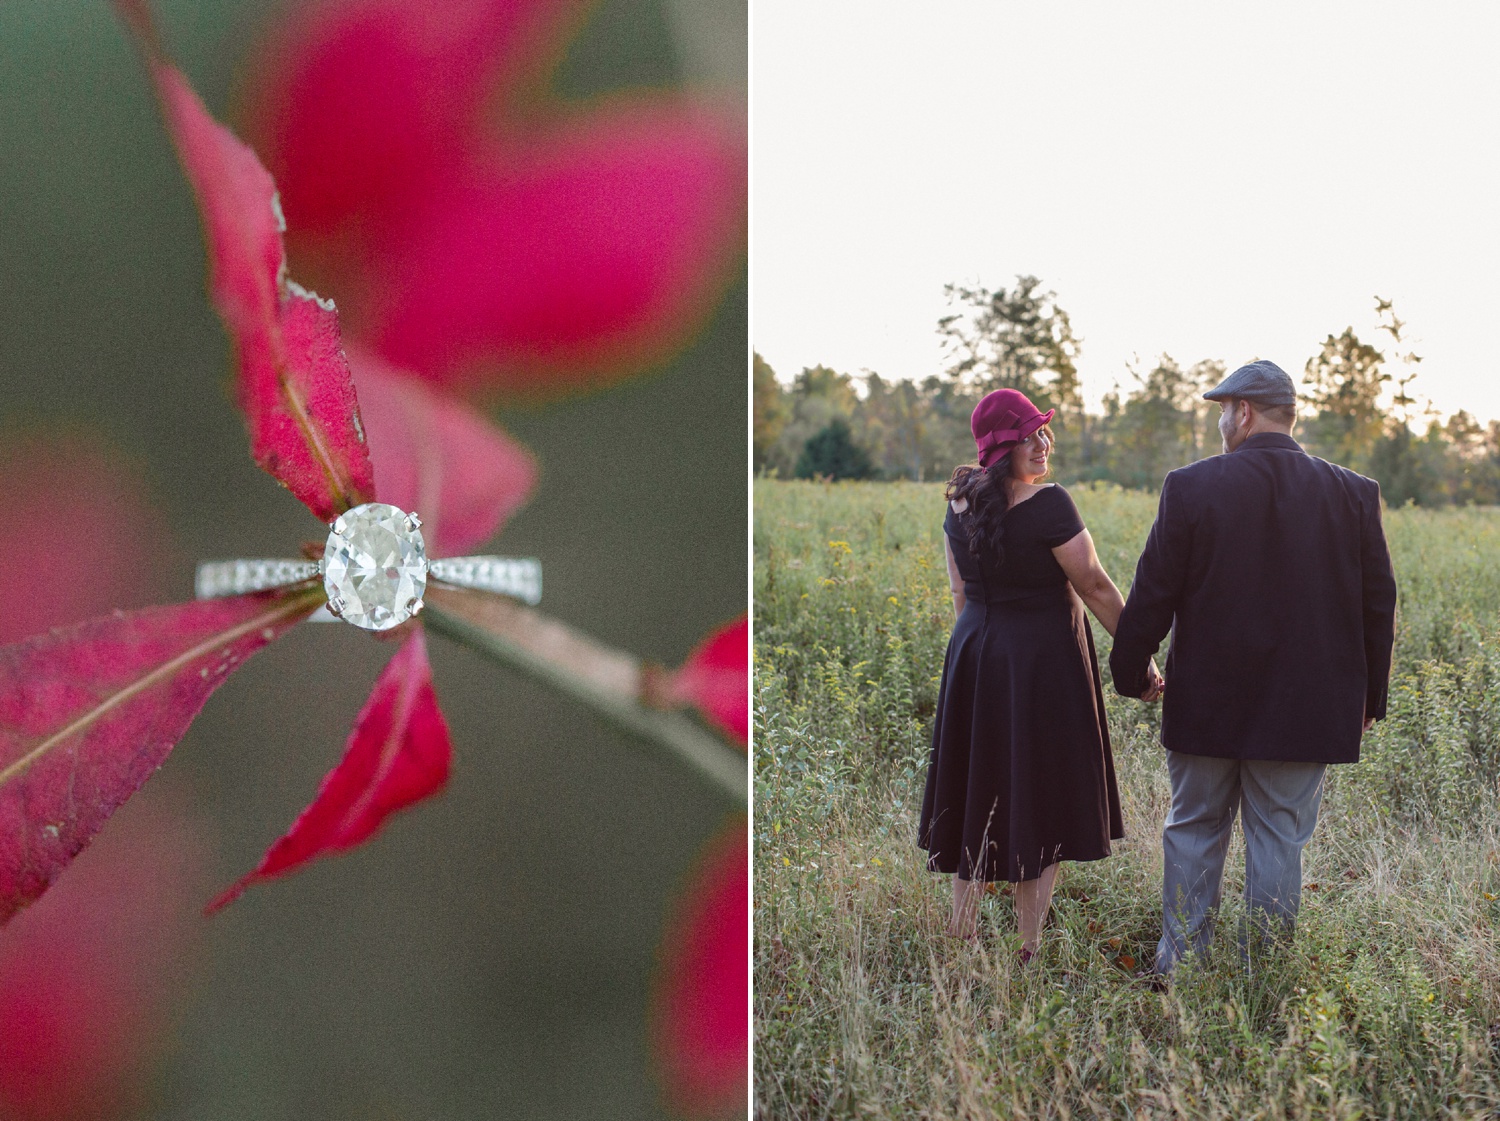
(1279,803)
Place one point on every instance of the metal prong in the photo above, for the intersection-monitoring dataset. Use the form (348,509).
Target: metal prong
(416,606)
(412,521)
(338,524)
(336,605)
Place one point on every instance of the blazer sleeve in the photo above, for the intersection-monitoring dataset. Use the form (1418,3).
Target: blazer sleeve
(1378,580)
(1159,578)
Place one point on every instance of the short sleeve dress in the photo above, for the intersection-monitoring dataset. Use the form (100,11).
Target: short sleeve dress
(1020,774)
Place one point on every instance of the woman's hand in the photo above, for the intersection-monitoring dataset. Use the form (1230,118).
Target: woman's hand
(1156,683)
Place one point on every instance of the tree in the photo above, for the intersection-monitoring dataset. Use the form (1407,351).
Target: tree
(1396,463)
(1423,471)
(892,422)
(1466,435)
(1158,427)
(947,440)
(832,453)
(1403,401)
(770,410)
(1017,338)
(1204,376)
(818,395)
(868,426)
(1344,381)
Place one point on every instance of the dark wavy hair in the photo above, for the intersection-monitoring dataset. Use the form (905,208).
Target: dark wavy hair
(983,488)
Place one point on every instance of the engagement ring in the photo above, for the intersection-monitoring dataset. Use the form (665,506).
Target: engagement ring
(374,570)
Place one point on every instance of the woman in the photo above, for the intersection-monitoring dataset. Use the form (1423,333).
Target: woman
(1020,775)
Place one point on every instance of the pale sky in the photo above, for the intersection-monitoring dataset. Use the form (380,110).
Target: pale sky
(1211,180)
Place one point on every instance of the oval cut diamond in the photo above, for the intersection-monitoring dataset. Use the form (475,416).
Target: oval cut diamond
(375,566)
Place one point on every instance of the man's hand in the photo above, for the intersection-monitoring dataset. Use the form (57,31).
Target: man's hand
(1156,684)
(1369,723)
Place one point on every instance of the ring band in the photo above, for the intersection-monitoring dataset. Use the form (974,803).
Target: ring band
(240,577)
(519,577)
(374,570)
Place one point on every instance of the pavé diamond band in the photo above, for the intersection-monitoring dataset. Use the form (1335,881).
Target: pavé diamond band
(509,576)
(374,570)
(237,577)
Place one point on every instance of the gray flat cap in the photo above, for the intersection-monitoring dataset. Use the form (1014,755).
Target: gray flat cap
(1261,381)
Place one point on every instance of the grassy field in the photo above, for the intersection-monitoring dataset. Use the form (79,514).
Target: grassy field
(1386,1005)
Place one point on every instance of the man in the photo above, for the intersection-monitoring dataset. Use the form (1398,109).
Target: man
(1271,570)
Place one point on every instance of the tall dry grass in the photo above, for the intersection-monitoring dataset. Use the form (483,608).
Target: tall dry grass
(1387,1003)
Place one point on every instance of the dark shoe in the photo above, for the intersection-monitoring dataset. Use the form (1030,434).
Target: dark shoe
(1151,979)
(1025,955)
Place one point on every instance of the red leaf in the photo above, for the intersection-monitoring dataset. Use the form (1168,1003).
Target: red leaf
(716,678)
(700,1004)
(367,102)
(87,714)
(480,233)
(591,253)
(298,398)
(440,458)
(397,754)
(294,383)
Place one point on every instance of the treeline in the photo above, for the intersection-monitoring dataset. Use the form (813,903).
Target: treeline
(836,425)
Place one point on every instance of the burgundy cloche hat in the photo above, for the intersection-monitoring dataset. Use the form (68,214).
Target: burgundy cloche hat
(1002,420)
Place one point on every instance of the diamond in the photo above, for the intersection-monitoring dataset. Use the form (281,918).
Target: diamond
(376,566)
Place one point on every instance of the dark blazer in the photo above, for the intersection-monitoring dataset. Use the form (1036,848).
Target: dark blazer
(1271,569)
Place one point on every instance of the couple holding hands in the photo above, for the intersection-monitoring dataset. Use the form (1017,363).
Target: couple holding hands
(1270,568)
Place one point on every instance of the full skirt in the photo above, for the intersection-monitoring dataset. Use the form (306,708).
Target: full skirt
(1021,775)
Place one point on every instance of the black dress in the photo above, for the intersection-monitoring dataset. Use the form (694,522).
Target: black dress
(1021,774)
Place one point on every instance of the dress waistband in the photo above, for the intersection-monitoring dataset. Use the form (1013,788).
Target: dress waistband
(974,592)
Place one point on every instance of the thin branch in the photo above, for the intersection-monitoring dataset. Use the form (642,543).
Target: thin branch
(608,681)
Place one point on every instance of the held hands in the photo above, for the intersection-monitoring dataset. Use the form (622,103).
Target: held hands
(1156,684)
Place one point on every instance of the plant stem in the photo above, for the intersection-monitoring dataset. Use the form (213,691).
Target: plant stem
(608,681)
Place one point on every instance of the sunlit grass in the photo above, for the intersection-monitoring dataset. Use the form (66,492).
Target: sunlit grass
(1387,1004)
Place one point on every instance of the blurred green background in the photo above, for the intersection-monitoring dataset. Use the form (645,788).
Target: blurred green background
(489,954)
